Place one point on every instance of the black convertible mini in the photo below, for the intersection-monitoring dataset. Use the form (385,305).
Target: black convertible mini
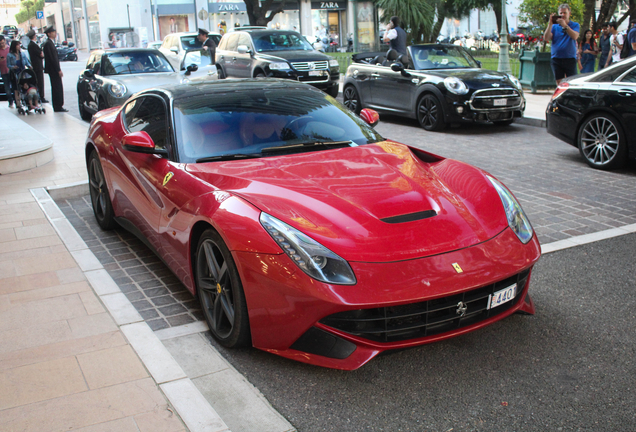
(436,83)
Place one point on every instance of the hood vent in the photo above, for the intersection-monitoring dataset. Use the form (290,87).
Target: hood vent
(410,217)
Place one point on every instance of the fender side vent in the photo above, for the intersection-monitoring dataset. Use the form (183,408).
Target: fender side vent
(410,217)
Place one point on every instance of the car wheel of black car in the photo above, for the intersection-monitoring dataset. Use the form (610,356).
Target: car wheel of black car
(220,72)
(259,75)
(85,115)
(601,142)
(333,91)
(220,292)
(100,198)
(351,99)
(430,113)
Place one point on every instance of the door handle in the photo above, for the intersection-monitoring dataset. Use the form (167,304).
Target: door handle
(233,58)
(626,93)
(375,75)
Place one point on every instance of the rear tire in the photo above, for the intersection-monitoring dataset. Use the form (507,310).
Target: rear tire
(100,198)
(220,292)
(85,115)
(601,141)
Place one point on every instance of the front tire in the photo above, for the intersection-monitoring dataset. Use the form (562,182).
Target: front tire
(100,198)
(85,115)
(601,142)
(220,72)
(220,292)
(430,113)
(351,99)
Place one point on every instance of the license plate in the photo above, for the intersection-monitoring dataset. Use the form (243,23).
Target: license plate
(502,296)
(500,102)
(316,73)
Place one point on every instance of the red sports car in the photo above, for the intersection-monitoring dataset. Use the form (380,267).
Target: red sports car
(302,231)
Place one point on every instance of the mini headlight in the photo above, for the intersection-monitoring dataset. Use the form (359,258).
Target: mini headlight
(312,257)
(279,65)
(333,63)
(514,81)
(118,89)
(455,85)
(517,219)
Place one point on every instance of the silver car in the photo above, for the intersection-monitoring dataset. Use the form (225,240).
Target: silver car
(112,76)
(176,45)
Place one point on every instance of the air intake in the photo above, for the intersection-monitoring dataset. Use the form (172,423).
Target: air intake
(410,217)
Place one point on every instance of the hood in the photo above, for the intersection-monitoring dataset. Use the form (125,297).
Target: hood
(357,201)
(138,82)
(294,56)
(476,78)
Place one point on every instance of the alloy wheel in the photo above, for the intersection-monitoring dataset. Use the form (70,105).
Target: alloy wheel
(350,99)
(600,141)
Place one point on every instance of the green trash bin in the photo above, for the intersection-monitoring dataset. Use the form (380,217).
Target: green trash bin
(535,70)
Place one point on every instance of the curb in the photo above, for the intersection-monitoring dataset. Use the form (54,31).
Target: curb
(530,121)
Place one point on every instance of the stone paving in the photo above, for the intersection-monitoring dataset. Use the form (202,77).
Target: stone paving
(149,285)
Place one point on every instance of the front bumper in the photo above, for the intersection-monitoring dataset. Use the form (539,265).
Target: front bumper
(322,79)
(562,122)
(484,106)
(288,310)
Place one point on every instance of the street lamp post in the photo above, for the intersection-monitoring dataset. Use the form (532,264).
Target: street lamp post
(504,58)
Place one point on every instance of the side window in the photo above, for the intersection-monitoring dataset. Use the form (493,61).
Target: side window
(97,66)
(245,40)
(630,77)
(148,114)
(612,73)
(91,60)
(232,42)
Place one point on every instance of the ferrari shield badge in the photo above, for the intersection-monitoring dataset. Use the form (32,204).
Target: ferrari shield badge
(457,268)
(167,178)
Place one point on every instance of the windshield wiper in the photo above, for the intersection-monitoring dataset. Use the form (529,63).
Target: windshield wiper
(305,146)
(227,157)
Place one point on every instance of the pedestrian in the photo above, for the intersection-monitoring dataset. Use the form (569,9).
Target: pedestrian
(605,46)
(563,33)
(208,44)
(616,44)
(631,36)
(588,51)
(395,36)
(4,70)
(17,61)
(37,56)
(52,67)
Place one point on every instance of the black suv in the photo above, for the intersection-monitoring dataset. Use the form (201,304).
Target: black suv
(262,52)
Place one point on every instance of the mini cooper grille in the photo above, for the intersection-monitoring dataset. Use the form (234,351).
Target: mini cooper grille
(306,66)
(485,99)
(428,318)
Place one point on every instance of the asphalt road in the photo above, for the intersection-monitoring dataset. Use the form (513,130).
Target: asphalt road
(570,367)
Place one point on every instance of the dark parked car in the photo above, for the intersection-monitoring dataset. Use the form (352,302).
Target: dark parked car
(596,113)
(67,52)
(262,52)
(437,84)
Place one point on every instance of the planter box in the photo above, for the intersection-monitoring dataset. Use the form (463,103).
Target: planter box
(536,71)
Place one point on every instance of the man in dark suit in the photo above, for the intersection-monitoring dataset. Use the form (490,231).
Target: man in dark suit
(208,43)
(36,55)
(52,67)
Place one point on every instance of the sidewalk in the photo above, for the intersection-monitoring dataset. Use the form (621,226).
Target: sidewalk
(64,362)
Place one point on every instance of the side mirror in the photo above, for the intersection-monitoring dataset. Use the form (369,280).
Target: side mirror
(243,49)
(191,68)
(174,50)
(88,73)
(140,142)
(370,116)
(399,67)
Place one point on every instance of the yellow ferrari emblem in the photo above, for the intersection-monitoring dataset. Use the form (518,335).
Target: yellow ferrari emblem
(218,288)
(457,268)
(167,178)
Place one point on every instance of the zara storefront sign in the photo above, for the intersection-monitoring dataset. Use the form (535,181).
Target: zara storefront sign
(339,5)
(226,7)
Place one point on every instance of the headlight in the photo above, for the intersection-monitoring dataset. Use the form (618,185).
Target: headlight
(117,89)
(279,66)
(514,81)
(455,85)
(312,257)
(333,63)
(517,219)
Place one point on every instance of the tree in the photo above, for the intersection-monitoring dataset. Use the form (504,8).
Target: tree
(27,10)
(415,16)
(538,11)
(260,12)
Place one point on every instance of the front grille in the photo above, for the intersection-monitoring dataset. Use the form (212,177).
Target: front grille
(307,66)
(485,99)
(427,318)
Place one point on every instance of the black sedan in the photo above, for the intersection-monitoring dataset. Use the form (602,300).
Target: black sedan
(437,84)
(596,114)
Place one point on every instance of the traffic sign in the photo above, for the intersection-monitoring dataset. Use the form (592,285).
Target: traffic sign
(39,14)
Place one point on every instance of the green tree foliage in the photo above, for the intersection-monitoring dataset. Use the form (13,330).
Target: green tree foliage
(27,10)
(260,12)
(415,16)
(538,11)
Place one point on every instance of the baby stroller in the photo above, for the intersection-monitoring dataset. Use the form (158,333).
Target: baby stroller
(27,85)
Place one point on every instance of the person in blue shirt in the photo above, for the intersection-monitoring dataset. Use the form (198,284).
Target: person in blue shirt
(631,37)
(563,35)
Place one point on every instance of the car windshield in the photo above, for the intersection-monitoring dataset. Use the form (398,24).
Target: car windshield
(441,57)
(281,42)
(126,63)
(200,58)
(259,122)
(190,42)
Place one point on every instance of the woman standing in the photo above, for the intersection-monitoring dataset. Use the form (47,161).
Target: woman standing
(588,52)
(17,61)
